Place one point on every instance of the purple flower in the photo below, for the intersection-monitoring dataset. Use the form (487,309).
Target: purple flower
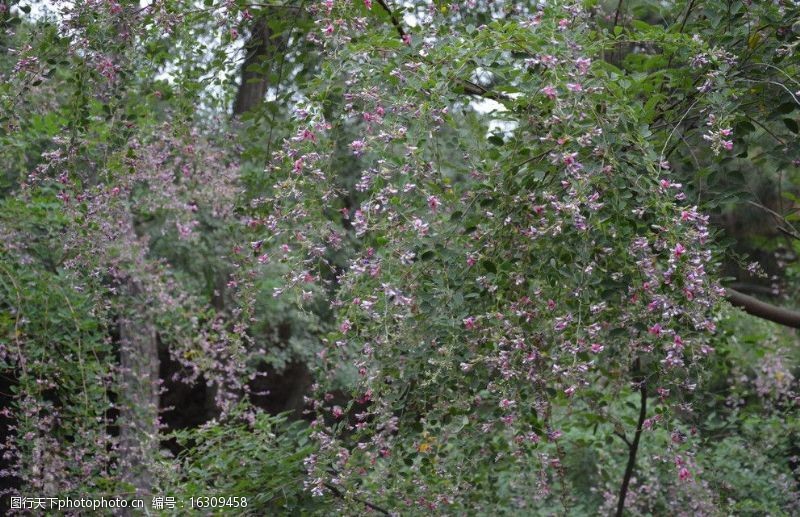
(358,146)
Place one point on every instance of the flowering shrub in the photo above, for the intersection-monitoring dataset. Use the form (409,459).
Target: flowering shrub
(484,229)
(461,355)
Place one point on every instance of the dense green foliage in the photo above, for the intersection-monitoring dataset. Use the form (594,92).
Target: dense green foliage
(444,258)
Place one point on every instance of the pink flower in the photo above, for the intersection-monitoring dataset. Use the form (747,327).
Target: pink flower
(549,91)
(407,39)
(469,323)
(596,348)
(107,68)
(655,330)
(471,260)
(684,474)
(574,87)
(306,134)
(337,412)
(345,326)
(679,250)
(358,146)
(420,226)
(582,64)
(433,202)
(368,3)
(649,423)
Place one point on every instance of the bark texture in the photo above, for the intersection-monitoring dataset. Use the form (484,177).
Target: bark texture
(255,74)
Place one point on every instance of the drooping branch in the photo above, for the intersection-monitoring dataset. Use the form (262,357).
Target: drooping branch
(763,310)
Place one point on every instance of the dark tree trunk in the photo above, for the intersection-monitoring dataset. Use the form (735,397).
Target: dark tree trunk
(255,72)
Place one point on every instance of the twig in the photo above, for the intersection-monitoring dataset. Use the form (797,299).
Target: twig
(616,15)
(274,6)
(338,493)
(686,16)
(475,89)
(765,128)
(624,439)
(395,21)
(791,231)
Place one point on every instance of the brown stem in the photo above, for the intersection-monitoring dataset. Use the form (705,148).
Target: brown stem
(395,21)
(686,16)
(634,446)
(338,493)
(616,15)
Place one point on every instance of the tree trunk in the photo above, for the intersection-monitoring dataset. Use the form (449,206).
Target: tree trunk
(255,72)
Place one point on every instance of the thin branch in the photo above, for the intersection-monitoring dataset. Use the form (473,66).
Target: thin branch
(475,89)
(616,15)
(274,6)
(624,439)
(686,16)
(395,21)
(338,493)
(791,94)
(661,158)
(633,447)
(532,159)
(788,233)
(791,231)
(765,128)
